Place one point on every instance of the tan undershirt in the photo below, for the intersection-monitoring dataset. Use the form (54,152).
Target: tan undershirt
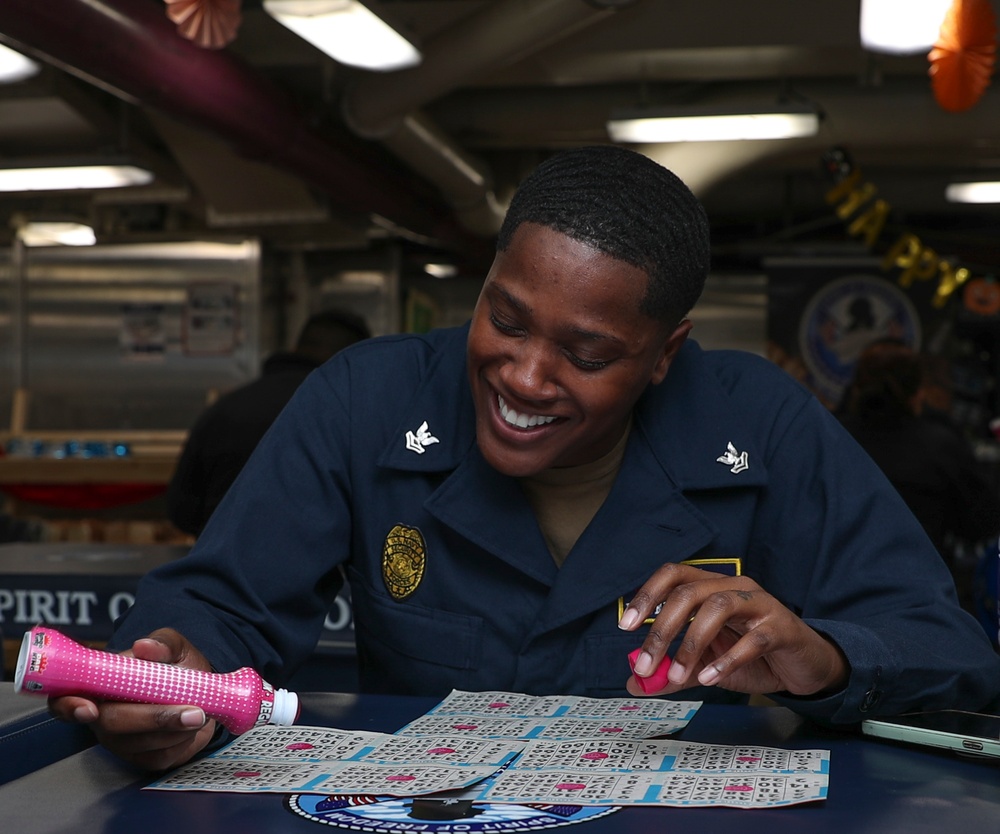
(565,499)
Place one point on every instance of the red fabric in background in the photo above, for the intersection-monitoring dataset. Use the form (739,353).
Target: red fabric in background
(84,496)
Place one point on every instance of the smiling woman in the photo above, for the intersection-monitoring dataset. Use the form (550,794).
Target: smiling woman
(583,307)
(522,502)
(559,352)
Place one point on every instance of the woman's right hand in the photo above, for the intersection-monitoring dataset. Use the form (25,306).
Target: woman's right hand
(150,736)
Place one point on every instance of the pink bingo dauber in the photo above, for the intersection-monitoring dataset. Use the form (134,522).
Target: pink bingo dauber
(49,663)
(656,681)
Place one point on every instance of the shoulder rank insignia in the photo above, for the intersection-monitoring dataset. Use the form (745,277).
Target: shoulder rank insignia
(734,459)
(404,557)
(421,440)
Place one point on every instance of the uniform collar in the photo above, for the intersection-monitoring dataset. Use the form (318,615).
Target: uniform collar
(694,430)
(438,427)
(681,429)
(688,419)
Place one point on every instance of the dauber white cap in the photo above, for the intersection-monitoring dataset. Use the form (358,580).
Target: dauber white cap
(22,662)
(286,708)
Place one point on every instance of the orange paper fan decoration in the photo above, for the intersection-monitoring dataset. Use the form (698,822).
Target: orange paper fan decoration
(962,59)
(209,23)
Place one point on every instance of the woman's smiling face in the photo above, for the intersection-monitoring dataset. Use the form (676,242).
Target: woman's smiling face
(559,352)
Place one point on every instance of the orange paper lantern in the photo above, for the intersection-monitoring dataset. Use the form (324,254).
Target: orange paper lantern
(209,23)
(963,56)
(982,296)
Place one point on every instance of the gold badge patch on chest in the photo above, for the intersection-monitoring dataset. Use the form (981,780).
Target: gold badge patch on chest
(404,558)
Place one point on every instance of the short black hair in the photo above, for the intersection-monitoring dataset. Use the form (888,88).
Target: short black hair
(629,207)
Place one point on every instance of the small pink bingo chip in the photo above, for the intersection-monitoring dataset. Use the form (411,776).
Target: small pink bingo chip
(656,681)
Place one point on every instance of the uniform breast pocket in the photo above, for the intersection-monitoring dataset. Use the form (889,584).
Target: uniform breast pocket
(607,663)
(408,649)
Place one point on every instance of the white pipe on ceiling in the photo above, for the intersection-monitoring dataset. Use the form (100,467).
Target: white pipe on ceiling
(384,106)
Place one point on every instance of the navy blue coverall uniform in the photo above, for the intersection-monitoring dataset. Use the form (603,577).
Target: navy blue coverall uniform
(373,468)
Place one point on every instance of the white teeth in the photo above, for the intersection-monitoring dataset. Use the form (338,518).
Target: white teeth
(522,421)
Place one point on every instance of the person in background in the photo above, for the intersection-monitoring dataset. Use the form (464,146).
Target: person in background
(521,502)
(226,433)
(929,462)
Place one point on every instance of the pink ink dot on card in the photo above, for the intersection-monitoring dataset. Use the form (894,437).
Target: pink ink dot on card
(299,745)
(439,750)
(610,730)
(400,777)
(738,788)
(748,758)
(246,774)
(499,705)
(570,786)
(464,726)
(628,707)
(595,754)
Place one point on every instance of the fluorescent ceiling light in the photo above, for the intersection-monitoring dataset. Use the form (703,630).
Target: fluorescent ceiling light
(44,233)
(71,177)
(901,28)
(712,124)
(441,270)
(346,31)
(973,192)
(14,66)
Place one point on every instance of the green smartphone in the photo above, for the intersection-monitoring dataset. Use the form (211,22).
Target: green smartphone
(973,733)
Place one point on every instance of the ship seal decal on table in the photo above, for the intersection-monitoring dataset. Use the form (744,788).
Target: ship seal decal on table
(437,816)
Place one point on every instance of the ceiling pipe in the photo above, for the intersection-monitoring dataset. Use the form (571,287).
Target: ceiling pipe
(504,32)
(384,106)
(465,182)
(131,49)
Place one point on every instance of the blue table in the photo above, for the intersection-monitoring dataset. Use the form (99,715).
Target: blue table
(30,738)
(875,786)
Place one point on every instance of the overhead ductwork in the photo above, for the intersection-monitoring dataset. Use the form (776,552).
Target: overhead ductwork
(502,33)
(131,49)
(385,106)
